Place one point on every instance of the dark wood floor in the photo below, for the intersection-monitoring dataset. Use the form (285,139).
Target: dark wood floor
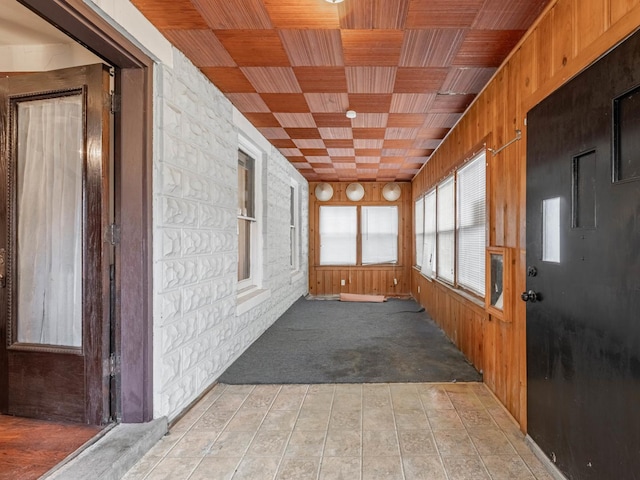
(29,448)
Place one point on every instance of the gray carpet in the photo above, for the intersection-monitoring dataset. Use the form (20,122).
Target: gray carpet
(325,341)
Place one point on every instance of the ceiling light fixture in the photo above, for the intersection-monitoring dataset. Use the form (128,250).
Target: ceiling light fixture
(355,192)
(391,192)
(324,192)
(335,1)
(351,114)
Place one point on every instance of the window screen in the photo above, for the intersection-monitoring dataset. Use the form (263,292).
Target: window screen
(471,205)
(418,216)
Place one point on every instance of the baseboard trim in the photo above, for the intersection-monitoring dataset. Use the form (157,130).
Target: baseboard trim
(548,464)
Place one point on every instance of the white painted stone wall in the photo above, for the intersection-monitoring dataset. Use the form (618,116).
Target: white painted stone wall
(197,333)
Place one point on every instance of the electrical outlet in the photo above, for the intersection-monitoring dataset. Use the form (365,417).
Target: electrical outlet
(418,288)
(343,282)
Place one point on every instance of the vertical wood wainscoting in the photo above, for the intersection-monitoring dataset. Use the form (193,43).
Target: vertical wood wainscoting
(362,279)
(568,36)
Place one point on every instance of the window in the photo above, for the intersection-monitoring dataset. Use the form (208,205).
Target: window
(294,235)
(418,217)
(471,220)
(246,213)
(338,235)
(379,235)
(339,238)
(446,224)
(451,220)
(429,245)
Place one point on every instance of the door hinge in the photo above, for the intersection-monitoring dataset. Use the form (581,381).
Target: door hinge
(113,234)
(115,102)
(114,365)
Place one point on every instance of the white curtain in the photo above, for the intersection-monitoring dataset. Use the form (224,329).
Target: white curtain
(49,221)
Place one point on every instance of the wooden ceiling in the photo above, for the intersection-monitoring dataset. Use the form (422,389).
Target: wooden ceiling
(409,68)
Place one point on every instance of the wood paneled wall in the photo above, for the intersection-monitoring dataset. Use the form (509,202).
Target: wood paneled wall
(568,36)
(367,279)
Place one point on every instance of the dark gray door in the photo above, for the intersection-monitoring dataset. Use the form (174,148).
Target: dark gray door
(583,256)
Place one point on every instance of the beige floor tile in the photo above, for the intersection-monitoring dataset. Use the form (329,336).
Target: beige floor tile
(215,468)
(142,467)
(435,398)
(465,400)
(423,468)
(380,443)
(340,468)
(411,419)
(174,469)
(187,421)
(313,419)
(382,468)
(288,401)
(245,389)
(318,401)
(537,468)
(476,418)
(322,388)
(346,419)
(261,397)
(378,419)
(408,400)
(347,400)
(231,444)
(294,388)
(306,443)
(268,443)
(348,389)
(246,420)
(257,468)
(279,420)
(193,444)
(343,443)
(507,467)
(465,468)
(214,420)
(300,468)
(454,442)
(376,400)
(490,441)
(417,443)
(229,401)
(444,420)
(165,444)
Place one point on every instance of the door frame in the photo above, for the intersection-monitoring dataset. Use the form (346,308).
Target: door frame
(133,128)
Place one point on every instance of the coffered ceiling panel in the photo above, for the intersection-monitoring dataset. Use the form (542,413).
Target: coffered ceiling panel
(408,68)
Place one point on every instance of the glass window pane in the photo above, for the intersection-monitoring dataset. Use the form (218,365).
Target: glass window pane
(244,249)
(49,225)
(471,225)
(338,234)
(429,246)
(551,230)
(245,185)
(419,229)
(446,230)
(379,235)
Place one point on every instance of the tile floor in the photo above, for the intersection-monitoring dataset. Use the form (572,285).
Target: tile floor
(400,431)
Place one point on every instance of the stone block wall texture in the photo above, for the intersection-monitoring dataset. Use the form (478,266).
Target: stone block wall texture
(197,333)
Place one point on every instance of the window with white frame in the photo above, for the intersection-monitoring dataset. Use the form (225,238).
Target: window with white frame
(418,216)
(249,217)
(446,226)
(379,227)
(471,221)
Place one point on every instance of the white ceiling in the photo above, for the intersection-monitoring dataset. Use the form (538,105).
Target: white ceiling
(20,26)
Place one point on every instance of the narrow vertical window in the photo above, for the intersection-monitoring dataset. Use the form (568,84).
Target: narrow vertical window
(446,224)
(246,214)
(429,263)
(418,217)
(471,221)
(293,228)
(551,230)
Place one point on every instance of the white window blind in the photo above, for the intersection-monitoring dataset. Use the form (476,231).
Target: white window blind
(429,246)
(379,235)
(471,188)
(418,216)
(446,230)
(338,235)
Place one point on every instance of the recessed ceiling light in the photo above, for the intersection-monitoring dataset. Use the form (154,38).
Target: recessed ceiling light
(351,114)
(335,1)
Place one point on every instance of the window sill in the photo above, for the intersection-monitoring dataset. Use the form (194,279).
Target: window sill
(457,291)
(296,277)
(249,298)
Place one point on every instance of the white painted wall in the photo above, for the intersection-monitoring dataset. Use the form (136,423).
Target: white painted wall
(197,330)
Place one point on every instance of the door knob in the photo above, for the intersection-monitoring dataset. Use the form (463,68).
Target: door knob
(529,296)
